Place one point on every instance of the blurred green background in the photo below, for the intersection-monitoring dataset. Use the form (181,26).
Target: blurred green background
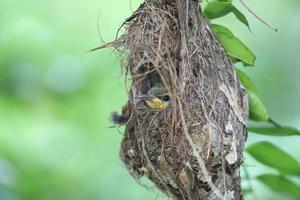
(55,98)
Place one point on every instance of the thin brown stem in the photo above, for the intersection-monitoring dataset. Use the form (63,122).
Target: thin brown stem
(257,17)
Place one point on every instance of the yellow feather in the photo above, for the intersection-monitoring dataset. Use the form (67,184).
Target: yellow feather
(156,103)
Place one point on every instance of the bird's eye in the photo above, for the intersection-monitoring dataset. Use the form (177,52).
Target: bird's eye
(166,98)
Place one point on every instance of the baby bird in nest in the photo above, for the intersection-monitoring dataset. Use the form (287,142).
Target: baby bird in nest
(156,99)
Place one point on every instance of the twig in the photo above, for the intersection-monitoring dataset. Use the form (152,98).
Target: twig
(274,123)
(257,17)
(197,154)
(98,27)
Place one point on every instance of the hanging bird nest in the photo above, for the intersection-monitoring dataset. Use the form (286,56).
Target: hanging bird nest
(191,147)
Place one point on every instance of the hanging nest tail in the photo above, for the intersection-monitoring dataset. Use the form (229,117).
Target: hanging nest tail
(186,114)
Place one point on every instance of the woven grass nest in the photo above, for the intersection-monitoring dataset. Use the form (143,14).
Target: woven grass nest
(191,149)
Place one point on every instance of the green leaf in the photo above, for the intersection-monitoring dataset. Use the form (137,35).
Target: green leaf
(220,8)
(246,191)
(240,16)
(216,9)
(246,81)
(233,46)
(257,110)
(275,131)
(270,155)
(280,184)
(234,60)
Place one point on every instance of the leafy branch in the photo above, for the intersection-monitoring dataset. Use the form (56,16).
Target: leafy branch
(264,152)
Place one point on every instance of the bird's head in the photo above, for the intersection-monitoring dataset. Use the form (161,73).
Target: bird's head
(158,97)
